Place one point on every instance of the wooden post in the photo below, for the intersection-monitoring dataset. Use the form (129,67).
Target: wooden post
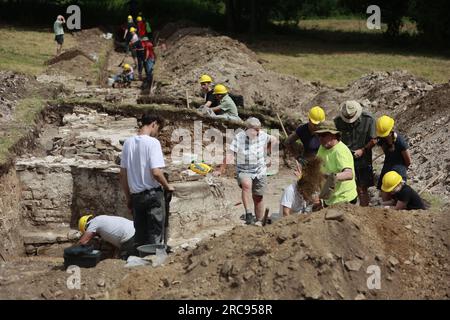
(432,181)
(187,99)
(282,126)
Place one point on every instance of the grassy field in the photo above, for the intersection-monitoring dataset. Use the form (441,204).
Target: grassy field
(24,117)
(349,25)
(327,51)
(26,51)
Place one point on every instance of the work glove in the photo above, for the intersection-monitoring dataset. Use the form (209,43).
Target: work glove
(328,187)
(303,162)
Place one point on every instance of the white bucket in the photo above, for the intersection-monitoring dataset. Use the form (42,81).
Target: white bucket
(110,82)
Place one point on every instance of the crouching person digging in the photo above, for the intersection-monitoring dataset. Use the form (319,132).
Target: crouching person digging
(117,231)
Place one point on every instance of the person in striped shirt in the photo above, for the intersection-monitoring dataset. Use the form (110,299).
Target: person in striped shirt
(250,148)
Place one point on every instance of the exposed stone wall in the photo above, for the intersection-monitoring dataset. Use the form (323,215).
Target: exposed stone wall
(97,191)
(10,220)
(47,193)
(194,208)
(57,191)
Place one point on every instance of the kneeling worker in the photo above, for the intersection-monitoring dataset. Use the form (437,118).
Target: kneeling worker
(227,108)
(405,197)
(115,230)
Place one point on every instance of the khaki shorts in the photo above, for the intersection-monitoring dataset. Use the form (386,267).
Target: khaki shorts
(258,184)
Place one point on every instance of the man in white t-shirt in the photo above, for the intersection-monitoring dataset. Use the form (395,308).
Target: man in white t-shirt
(143,181)
(115,230)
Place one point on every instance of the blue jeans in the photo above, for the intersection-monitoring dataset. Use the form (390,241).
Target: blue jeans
(128,78)
(148,65)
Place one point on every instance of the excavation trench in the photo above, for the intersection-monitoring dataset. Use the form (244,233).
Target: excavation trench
(74,170)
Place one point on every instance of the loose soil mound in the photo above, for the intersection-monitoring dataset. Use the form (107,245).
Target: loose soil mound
(426,122)
(79,63)
(310,257)
(68,55)
(229,62)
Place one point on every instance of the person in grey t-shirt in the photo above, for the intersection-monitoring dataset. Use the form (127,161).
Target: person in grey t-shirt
(115,230)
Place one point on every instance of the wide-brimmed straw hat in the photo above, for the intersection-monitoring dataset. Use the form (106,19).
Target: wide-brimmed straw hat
(350,111)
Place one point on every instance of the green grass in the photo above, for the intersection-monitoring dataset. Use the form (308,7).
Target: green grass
(98,68)
(26,51)
(350,25)
(24,118)
(435,201)
(334,52)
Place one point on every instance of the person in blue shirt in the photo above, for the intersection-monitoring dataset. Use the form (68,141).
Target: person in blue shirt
(306,134)
(395,148)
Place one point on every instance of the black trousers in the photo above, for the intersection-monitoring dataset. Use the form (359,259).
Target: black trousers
(128,248)
(149,216)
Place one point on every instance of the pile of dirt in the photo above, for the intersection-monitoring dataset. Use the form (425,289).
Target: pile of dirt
(426,123)
(388,92)
(229,62)
(48,279)
(68,55)
(170,28)
(191,52)
(79,63)
(327,255)
(337,253)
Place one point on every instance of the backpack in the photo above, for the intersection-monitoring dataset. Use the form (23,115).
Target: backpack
(238,99)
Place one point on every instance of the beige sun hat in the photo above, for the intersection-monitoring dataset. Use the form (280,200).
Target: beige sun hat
(350,111)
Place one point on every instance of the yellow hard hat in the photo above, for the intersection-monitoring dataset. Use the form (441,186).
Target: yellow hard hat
(390,181)
(205,78)
(384,125)
(126,66)
(220,89)
(316,115)
(130,18)
(139,18)
(83,221)
(132,29)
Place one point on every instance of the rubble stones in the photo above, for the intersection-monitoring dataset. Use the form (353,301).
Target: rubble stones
(333,214)
(353,265)
(393,261)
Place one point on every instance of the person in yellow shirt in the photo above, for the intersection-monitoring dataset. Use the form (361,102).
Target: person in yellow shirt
(337,165)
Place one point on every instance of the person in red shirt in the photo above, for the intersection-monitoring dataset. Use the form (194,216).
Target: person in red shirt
(142,30)
(149,60)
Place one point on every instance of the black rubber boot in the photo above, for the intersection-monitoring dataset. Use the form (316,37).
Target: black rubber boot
(249,218)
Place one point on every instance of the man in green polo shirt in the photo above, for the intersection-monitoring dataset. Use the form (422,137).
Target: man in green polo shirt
(337,165)
(226,109)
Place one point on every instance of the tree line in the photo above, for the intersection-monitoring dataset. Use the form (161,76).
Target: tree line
(253,16)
